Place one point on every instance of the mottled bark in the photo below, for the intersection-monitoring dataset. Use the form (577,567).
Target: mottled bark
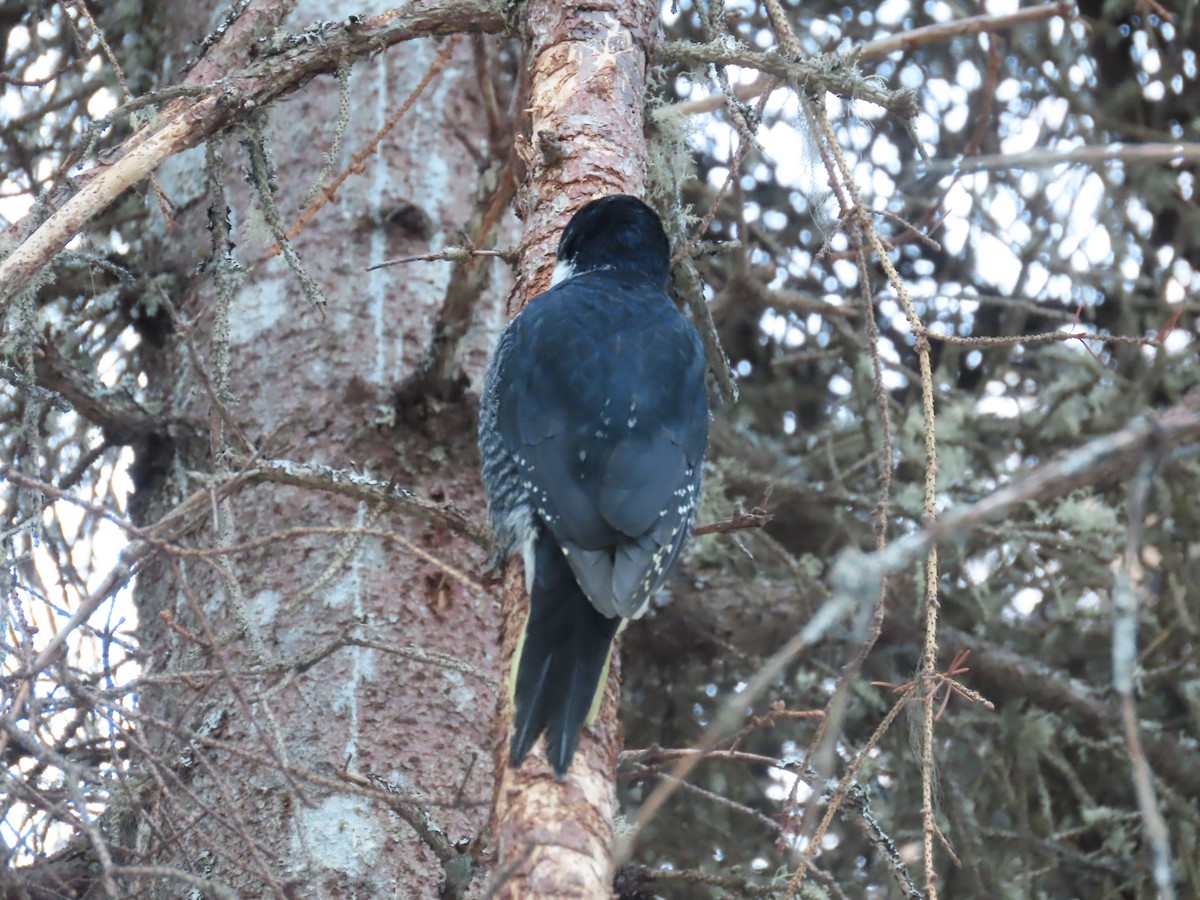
(587,69)
(351,773)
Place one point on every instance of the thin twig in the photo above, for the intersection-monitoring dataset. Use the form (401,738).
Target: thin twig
(1124,656)
(450,254)
(756,517)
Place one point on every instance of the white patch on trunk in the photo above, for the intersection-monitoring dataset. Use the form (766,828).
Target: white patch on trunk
(343,833)
(382,281)
(350,692)
(261,306)
(461,694)
(264,607)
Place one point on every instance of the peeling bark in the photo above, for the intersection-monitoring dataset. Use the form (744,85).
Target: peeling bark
(585,140)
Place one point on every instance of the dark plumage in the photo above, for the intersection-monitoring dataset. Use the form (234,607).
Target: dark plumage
(593,428)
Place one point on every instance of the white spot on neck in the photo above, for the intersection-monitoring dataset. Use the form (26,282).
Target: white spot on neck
(563,271)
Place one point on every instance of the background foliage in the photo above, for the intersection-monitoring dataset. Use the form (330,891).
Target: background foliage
(1058,293)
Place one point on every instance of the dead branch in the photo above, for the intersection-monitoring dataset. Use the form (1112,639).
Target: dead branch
(834,76)
(118,414)
(450,254)
(1126,597)
(757,517)
(369,490)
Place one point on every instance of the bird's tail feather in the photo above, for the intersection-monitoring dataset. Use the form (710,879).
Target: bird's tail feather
(563,658)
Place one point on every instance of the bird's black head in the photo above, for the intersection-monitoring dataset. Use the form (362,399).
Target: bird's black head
(618,232)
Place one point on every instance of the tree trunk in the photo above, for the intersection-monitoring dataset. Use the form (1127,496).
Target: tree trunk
(587,68)
(296,706)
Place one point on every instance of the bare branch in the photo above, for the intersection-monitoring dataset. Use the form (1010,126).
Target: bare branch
(1140,154)
(450,254)
(831,74)
(757,517)
(367,489)
(878,49)
(1124,659)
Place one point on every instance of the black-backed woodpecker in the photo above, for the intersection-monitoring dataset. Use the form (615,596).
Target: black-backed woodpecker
(592,431)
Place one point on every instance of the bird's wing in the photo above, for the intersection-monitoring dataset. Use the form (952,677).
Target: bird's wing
(608,427)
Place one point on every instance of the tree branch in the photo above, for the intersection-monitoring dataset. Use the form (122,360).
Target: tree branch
(1104,458)
(824,73)
(878,49)
(1146,154)
(587,69)
(122,418)
(368,490)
